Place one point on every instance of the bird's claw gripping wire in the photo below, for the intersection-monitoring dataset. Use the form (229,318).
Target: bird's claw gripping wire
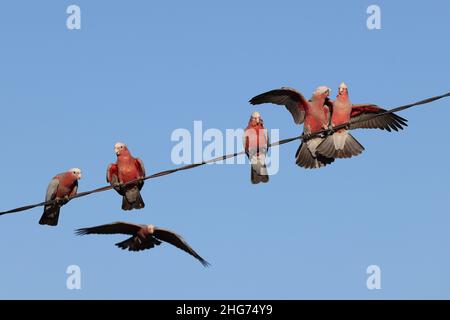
(118,186)
(330,130)
(306,136)
(62,201)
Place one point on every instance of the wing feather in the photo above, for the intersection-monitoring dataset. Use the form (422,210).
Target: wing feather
(362,116)
(112,228)
(293,100)
(141,167)
(177,241)
(52,189)
(112,174)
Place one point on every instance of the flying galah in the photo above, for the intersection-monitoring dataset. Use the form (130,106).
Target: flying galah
(256,143)
(125,170)
(314,113)
(342,144)
(142,237)
(60,189)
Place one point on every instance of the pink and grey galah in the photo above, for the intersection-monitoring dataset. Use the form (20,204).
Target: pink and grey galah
(342,144)
(60,189)
(256,143)
(125,170)
(314,113)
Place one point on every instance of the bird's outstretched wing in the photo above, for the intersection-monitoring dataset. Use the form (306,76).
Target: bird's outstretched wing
(389,121)
(293,100)
(177,241)
(112,228)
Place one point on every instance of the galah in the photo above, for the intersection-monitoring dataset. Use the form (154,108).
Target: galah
(143,237)
(315,115)
(256,143)
(342,144)
(125,170)
(60,189)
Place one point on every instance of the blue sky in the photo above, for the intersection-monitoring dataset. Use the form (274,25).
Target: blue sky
(137,70)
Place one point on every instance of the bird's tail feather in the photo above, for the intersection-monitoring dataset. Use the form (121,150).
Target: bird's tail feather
(135,244)
(132,200)
(259,170)
(305,159)
(340,145)
(50,216)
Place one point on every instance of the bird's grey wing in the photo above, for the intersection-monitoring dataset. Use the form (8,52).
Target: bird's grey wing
(52,189)
(178,241)
(362,117)
(142,167)
(112,174)
(74,189)
(330,104)
(293,100)
(112,228)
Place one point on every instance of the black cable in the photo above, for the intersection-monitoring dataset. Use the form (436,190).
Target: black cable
(195,165)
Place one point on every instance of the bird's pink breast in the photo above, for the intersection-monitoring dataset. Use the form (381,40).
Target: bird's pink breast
(66,184)
(127,169)
(316,118)
(256,137)
(341,112)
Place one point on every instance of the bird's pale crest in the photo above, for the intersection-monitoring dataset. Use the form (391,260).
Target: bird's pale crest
(119,146)
(343,86)
(256,114)
(151,228)
(322,90)
(76,172)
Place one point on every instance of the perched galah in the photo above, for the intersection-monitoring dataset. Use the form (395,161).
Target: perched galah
(342,144)
(314,113)
(256,143)
(142,237)
(125,170)
(61,188)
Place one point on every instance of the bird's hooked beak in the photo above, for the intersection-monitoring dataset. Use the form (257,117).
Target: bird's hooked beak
(117,151)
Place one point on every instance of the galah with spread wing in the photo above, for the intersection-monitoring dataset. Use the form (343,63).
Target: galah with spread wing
(143,237)
(256,142)
(125,170)
(342,144)
(315,115)
(60,189)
